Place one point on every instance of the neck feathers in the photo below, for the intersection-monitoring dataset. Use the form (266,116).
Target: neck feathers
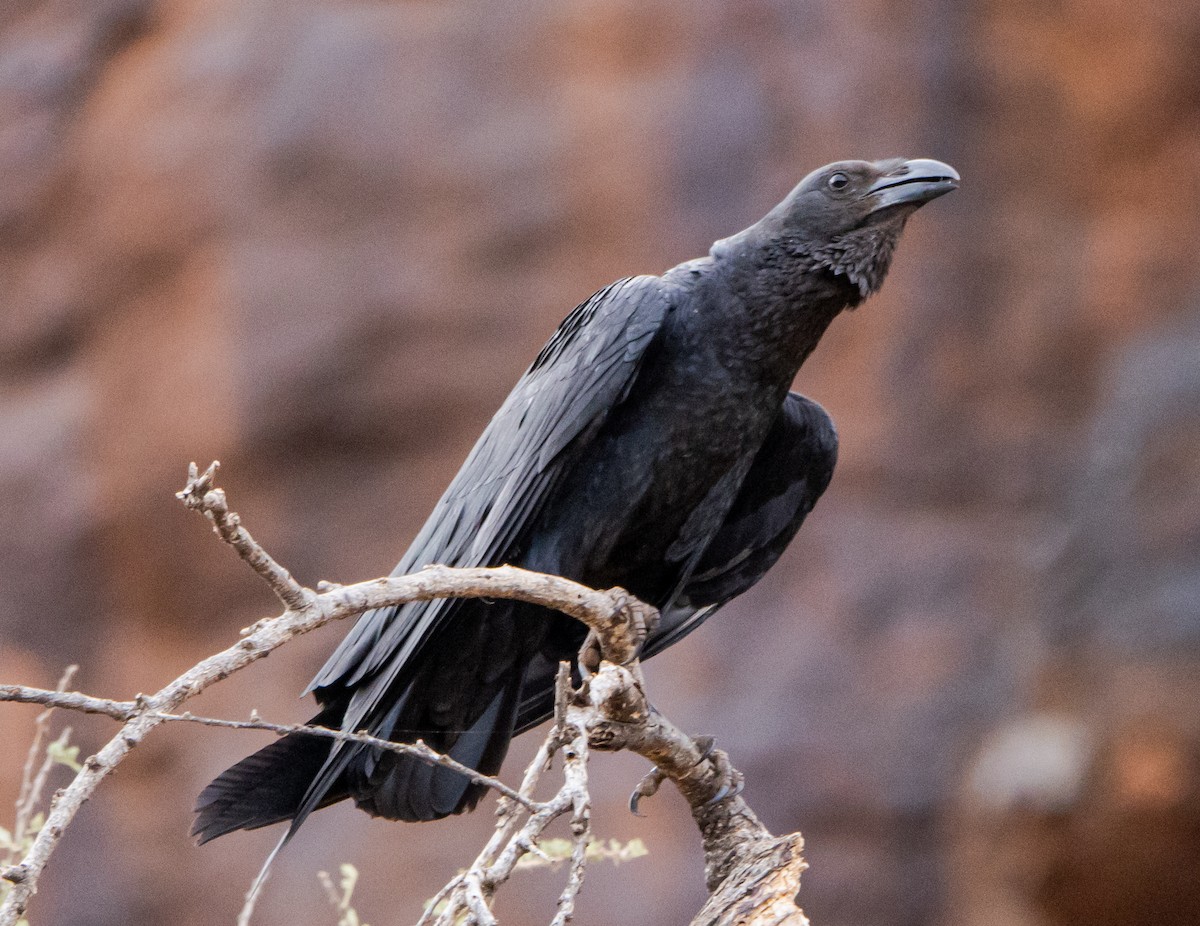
(862,256)
(859,258)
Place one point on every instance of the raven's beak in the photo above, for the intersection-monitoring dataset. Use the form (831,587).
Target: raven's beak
(915,182)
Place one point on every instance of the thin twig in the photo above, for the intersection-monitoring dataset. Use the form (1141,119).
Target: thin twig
(431,908)
(43,772)
(418,749)
(201,494)
(68,700)
(31,782)
(124,710)
(575,759)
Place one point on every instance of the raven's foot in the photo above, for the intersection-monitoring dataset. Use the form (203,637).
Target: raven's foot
(653,779)
(647,787)
(642,619)
(622,639)
(731,779)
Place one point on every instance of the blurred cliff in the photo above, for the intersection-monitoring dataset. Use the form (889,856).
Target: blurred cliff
(320,240)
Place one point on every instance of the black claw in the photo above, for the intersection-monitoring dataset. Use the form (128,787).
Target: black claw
(726,792)
(732,781)
(707,745)
(647,787)
(719,796)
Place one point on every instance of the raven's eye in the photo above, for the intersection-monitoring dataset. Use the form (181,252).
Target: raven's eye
(838,181)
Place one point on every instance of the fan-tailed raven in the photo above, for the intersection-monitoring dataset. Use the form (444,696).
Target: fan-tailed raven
(653,444)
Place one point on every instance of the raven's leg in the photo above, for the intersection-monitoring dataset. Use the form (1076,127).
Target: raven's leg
(650,784)
(732,781)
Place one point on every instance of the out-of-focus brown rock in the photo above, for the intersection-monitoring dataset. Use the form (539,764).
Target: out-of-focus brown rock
(319,241)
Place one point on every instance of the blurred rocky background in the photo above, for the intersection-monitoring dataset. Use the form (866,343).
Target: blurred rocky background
(320,240)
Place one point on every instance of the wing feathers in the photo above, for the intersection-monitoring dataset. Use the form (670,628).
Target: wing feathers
(787,476)
(584,370)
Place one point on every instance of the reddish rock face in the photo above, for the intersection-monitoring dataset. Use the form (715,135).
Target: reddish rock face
(319,241)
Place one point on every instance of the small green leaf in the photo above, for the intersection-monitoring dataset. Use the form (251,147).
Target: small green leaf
(62,754)
(635,848)
(551,853)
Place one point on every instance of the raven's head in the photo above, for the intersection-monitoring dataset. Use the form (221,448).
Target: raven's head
(846,217)
(848,195)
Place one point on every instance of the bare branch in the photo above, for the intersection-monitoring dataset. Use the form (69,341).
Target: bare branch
(201,494)
(475,900)
(613,614)
(575,783)
(468,894)
(614,711)
(69,700)
(760,887)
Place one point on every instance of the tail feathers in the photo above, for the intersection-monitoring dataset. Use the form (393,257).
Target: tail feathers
(266,787)
(405,788)
(298,774)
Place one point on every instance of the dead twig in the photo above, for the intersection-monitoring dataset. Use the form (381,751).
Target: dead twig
(32,782)
(202,494)
(68,700)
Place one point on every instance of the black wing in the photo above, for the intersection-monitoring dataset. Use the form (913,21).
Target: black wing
(789,473)
(585,370)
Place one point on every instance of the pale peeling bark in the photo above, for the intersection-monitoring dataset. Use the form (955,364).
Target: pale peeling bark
(760,886)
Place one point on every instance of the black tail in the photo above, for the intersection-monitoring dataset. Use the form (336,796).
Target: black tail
(399,787)
(266,787)
(290,778)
